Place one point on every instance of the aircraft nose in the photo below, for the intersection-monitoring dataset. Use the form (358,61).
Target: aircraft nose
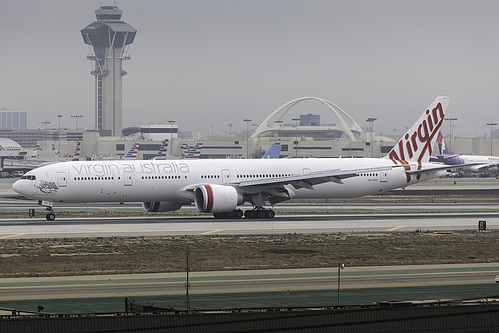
(18,186)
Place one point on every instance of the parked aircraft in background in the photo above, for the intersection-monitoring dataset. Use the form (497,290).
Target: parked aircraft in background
(219,186)
(192,152)
(161,155)
(132,153)
(76,156)
(274,151)
(478,163)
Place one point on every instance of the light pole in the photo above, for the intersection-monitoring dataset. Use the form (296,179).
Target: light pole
(296,138)
(491,124)
(450,119)
(340,267)
(371,120)
(247,137)
(59,116)
(77,116)
(45,134)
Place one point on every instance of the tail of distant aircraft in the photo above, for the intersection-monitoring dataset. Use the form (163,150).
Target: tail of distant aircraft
(274,151)
(417,143)
(132,154)
(442,147)
(192,152)
(197,150)
(161,155)
(76,156)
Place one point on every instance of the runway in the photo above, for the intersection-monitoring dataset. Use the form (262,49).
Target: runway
(281,224)
(245,281)
(362,284)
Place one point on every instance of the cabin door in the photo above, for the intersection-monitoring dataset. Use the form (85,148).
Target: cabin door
(383,176)
(225,176)
(62,180)
(128,178)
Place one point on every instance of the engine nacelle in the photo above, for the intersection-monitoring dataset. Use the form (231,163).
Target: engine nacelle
(212,198)
(162,206)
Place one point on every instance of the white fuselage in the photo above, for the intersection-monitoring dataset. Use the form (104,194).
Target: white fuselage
(168,180)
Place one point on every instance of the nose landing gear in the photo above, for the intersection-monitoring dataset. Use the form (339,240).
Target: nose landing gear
(48,207)
(50,215)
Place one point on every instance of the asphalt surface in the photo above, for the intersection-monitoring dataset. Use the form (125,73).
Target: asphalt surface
(244,281)
(359,285)
(164,226)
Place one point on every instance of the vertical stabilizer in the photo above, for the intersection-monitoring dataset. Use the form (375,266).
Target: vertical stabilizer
(274,151)
(132,154)
(192,152)
(76,156)
(161,155)
(442,147)
(197,150)
(416,145)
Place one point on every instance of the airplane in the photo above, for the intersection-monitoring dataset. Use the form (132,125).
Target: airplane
(132,153)
(274,151)
(192,152)
(161,155)
(477,163)
(220,186)
(76,156)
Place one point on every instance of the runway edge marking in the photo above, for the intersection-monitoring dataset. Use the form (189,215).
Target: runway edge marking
(211,232)
(396,228)
(9,236)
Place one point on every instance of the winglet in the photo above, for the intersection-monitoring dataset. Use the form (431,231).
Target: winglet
(417,143)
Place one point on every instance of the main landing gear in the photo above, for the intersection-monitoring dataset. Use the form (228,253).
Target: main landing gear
(235,214)
(259,214)
(50,215)
(249,214)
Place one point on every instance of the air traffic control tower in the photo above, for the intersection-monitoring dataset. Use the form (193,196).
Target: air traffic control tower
(108,39)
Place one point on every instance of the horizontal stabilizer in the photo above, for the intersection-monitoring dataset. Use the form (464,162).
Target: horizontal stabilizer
(440,167)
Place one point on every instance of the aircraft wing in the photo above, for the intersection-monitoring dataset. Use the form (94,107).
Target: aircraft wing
(488,165)
(308,180)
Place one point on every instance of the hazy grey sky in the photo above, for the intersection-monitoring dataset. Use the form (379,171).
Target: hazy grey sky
(207,63)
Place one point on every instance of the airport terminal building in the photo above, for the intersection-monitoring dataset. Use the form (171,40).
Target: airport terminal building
(302,133)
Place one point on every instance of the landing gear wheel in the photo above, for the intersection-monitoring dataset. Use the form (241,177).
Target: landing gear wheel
(249,214)
(259,214)
(235,214)
(50,216)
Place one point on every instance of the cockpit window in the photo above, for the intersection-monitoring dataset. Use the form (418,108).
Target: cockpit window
(29,177)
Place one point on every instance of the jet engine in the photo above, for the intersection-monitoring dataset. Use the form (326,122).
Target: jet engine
(214,198)
(162,206)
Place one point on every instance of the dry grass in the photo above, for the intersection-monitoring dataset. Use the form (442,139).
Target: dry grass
(124,255)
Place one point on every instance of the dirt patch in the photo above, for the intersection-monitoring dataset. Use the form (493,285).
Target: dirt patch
(126,255)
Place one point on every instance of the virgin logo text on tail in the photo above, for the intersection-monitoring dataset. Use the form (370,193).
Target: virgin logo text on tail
(420,140)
